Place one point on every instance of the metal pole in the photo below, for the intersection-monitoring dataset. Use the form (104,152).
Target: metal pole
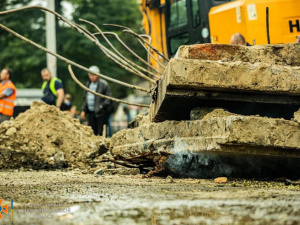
(51,38)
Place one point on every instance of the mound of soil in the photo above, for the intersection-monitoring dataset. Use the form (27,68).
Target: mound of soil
(44,137)
(218,112)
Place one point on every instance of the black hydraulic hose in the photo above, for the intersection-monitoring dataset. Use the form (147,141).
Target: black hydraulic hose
(267,23)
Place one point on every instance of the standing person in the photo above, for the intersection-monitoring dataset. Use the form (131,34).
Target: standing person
(8,94)
(67,105)
(97,108)
(238,39)
(53,91)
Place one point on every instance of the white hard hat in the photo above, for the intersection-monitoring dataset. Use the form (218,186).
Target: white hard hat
(94,69)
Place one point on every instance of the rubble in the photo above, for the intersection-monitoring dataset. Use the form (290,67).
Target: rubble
(229,76)
(44,137)
(190,126)
(220,180)
(258,80)
(248,142)
(113,171)
(217,131)
(297,116)
(169,179)
(200,113)
(281,54)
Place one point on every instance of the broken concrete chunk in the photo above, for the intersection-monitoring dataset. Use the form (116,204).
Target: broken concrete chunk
(242,76)
(99,172)
(169,179)
(240,87)
(234,134)
(283,54)
(258,80)
(140,119)
(122,171)
(297,116)
(199,112)
(11,131)
(205,112)
(220,180)
(59,156)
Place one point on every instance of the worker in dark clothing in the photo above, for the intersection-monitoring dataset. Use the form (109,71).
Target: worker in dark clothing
(97,108)
(238,39)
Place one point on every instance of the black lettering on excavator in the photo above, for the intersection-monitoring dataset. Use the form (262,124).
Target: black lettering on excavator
(295,25)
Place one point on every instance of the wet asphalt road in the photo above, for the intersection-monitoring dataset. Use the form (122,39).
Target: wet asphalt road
(75,198)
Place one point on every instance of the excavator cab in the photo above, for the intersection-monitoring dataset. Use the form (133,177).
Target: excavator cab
(187,22)
(172,23)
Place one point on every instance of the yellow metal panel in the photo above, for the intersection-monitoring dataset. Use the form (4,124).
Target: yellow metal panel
(252,26)
(154,25)
(223,22)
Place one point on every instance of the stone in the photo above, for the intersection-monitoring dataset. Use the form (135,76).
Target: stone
(297,116)
(169,179)
(50,151)
(122,171)
(99,172)
(81,165)
(198,113)
(11,131)
(220,180)
(140,119)
(6,124)
(59,156)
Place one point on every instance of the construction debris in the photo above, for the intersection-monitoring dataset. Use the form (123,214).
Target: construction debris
(217,131)
(256,80)
(221,143)
(284,54)
(220,180)
(297,116)
(169,179)
(44,137)
(211,118)
(290,182)
(211,106)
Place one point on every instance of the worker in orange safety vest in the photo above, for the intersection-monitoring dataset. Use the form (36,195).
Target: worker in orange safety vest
(8,94)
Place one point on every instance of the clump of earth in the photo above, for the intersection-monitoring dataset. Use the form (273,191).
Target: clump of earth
(207,112)
(44,137)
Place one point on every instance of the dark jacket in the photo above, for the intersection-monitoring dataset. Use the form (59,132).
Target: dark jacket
(102,105)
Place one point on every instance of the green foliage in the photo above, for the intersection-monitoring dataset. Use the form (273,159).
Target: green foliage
(78,48)
(27,61)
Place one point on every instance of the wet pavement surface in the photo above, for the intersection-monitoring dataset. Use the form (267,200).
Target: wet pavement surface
(74,198)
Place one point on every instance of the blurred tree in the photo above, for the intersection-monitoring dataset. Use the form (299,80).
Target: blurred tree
(27,61)
(78,48)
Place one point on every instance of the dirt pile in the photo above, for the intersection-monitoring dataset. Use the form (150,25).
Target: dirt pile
(44,137)
(206,112)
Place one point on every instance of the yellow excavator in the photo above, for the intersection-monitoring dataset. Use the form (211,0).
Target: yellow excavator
(171,23)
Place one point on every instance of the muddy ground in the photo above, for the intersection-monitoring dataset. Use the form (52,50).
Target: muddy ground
(75,198)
